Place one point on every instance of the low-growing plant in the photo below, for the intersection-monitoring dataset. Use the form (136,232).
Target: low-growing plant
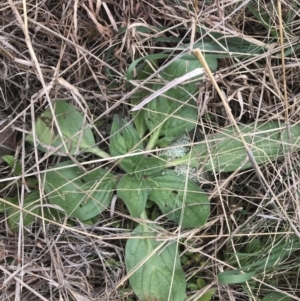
(140,173)
(262,258)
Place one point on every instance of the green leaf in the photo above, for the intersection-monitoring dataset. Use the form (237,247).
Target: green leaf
(81,195)
(150,57)
(129,164)
(232,277)
(138,116)
(134,193)
(158,275)
(263,18)
(269,259)
(274,296)
(150,165)
(208,295)
(76,135)
(2,206)
(226,47)
(180,199)
(223,46)
(253,246)
(171,118)
(14,164)
(267,141)
(31,204)
(201,283)
(124,140)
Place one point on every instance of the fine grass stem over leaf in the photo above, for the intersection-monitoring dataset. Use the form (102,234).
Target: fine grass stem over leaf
(81,195)
(125,140)
(173,113)
(263,262)
(14,164)
(31,204)
(225,152)
(134,193)
(138,117)
(160,276)
(182,202)
(76,135)
(150,165)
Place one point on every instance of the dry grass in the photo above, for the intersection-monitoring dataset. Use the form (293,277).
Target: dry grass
(79,51)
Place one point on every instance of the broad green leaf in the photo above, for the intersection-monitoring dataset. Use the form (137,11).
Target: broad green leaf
(171,118)
(81,195)
(31,204)
(275,296)
(134,193)
(130,163)
(124,137)
(76,135)
(150,165)
(158,275)
(124,140)
(210,59)
(184,203)
(267,141)
(14,164)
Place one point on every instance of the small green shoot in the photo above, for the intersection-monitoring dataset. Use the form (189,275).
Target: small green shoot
(14,164)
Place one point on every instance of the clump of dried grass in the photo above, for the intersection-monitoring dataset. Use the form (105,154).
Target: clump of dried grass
(77,51)
(71,262)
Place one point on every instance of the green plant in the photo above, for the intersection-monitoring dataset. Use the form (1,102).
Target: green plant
(147,176)
(262,258)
